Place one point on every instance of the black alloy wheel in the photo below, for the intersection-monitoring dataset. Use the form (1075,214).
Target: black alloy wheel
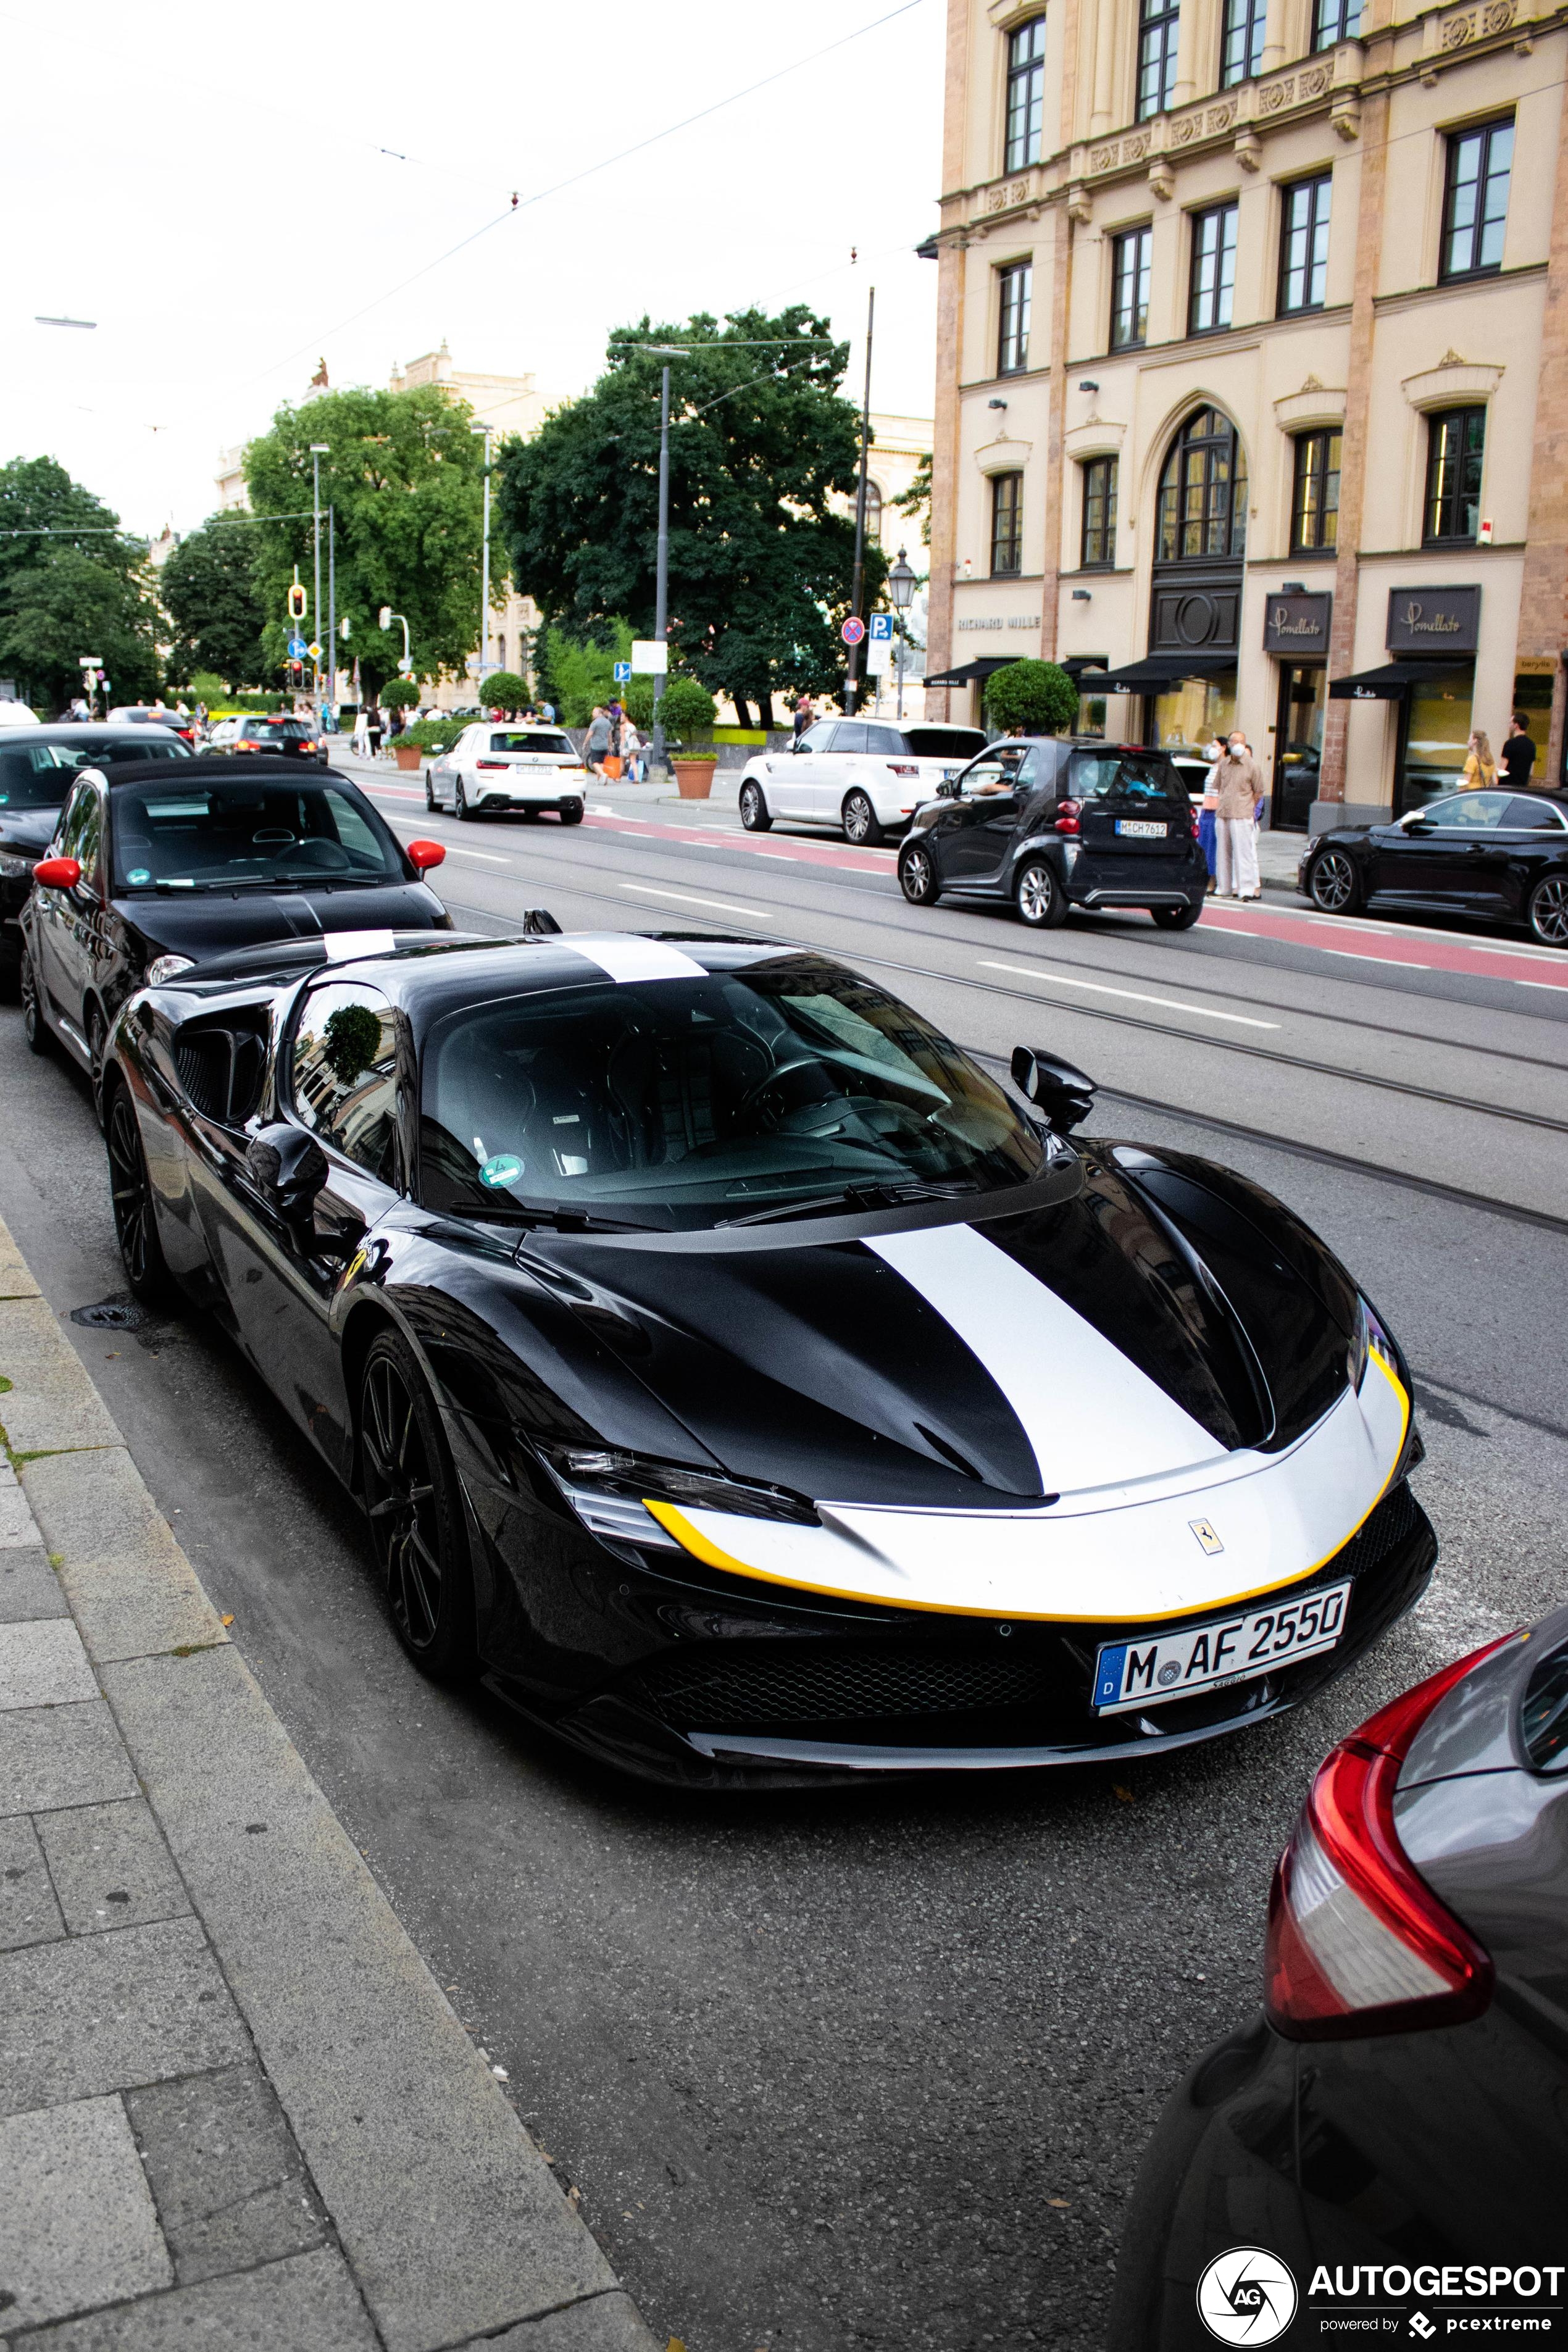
(754,813)
(429,791)
(918,877)
(1549,910)
(131,1197)
(35,1028)
(1176,919)
(460,808)
(571,812)
(1334,885)
(861,822)
(416,1513)
(1040,898)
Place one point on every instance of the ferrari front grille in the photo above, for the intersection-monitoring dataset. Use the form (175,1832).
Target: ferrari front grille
(724,1693)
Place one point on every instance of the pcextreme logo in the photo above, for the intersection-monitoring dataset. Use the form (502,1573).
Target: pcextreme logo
(1246,2296)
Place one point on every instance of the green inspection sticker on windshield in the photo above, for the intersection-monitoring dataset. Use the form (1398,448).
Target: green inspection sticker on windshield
(139,874)
(504,1168)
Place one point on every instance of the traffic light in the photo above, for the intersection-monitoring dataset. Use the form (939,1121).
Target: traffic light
(297,602)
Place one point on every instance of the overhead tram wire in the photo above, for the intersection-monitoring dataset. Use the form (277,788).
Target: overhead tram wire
(605,162)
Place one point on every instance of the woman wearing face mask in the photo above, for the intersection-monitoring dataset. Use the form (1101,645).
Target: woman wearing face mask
(1240,788)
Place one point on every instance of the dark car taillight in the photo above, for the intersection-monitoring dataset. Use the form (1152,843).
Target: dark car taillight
(1068,814)
(489,764)
(1358,1943)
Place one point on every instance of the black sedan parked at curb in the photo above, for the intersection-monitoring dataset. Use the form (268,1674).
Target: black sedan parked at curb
(744,1381)
(37,770)
(1391,2133)
(1045,824)
(1501,856)
(154,867)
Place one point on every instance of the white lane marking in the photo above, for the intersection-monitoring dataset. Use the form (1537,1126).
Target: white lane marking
(490,856)
(1091,1415)
(1395,964)
(689,898)
(626,957)
(1135,996)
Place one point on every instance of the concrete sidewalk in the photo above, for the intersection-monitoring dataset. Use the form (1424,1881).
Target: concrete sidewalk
(236,2112)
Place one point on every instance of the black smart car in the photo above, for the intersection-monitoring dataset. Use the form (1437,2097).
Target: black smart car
(38,769)
(172,861)
(1393,2130)
(1502,855)
(1047,823)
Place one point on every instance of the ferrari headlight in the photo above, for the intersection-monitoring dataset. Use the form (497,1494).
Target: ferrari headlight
(14,868)
(1356,1354)
(610,1491)
(166,968)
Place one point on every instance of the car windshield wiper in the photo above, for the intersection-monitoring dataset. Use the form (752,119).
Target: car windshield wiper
(572,1221)
(855,1196)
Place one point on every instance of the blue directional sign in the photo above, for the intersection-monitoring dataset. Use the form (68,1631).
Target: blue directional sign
(622,673)
(881,628)
(297,650)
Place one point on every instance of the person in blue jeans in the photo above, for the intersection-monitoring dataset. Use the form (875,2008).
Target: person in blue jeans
(1208,838)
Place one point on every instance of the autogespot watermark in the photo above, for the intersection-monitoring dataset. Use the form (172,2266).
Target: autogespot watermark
(1248,2295)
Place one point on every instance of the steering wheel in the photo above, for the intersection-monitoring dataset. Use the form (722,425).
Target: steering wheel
(780,1070)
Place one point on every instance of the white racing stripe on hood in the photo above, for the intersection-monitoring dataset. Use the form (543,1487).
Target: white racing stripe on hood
(342,946)
(1093,1417)
(624,957)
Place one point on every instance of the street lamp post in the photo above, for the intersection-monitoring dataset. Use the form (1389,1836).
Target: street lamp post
(901,589)
(485,580)
(661,567)
(851,684)
(319,449)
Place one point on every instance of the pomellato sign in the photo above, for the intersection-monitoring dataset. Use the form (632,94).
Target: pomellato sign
(1297,626)
(1434,620)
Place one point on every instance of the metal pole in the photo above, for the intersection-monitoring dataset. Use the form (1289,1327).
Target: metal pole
(661,577)
(316,607)
(485,566)
(851,684)
(899,658)
(333,606)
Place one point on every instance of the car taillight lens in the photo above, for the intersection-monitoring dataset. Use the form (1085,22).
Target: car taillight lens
(1068,814)
(1358,1943)
(489,764)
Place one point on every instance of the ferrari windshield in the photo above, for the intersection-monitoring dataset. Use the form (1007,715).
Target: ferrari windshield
(684,1103)
(223,836)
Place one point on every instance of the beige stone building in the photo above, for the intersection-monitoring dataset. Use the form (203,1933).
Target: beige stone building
(1252,376)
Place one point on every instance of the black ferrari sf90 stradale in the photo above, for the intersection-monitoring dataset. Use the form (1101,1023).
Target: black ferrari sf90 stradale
(741,1381)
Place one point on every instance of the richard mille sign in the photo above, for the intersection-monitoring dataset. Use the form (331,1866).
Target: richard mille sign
(1434,620)
(1004,621)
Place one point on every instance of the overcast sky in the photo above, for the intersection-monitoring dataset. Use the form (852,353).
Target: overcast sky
(207,183)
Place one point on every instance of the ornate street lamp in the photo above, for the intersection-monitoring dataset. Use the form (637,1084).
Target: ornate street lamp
(901,589)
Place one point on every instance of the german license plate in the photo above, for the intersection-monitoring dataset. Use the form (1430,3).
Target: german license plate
(1140,828)
(1226,1650)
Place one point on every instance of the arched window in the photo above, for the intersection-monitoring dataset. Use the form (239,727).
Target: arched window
(873,515)
(1203,493)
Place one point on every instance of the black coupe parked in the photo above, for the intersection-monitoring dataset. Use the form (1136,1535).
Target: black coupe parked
(746,1380)
(1500,854)
(153,867)
(37,770)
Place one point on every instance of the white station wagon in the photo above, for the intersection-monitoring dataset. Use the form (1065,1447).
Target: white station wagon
(496,771)
(866,777)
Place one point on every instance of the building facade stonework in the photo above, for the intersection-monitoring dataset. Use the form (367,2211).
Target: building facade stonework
(1252,377)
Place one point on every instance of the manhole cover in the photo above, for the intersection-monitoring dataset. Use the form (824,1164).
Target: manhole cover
(112,1315)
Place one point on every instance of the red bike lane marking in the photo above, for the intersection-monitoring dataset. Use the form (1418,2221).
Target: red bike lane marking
(799,852)
(1424,954)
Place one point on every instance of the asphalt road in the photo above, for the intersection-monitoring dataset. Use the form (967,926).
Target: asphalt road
(870,2071)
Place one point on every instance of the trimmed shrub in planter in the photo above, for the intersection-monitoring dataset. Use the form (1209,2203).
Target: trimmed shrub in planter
(1037,695)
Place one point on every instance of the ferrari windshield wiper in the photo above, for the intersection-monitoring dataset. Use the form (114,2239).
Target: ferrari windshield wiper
(853,1196)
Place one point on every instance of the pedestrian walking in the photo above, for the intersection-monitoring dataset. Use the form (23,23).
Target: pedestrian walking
(596,742)
(1518,751)
(802,713)
(1236,825)
(613,763)
(633,765)
(376,730)
(1481,768)
(1208,812)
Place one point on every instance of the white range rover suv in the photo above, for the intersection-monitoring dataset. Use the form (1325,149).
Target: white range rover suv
(492,770)
(866,777)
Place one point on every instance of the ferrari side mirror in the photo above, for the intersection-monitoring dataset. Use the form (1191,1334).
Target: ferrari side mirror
(423,855)
(288,1168)
(1057,1087)
(58,872)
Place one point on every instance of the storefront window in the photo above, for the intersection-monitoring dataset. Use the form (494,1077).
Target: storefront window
(1090,714)
(1191,713)
(1436,731)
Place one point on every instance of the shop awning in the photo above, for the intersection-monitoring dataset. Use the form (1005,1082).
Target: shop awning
(973,673)
(1077,664)
(1156,672)
(1389,683)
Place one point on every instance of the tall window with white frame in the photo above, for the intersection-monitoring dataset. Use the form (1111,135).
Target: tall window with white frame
(1132,259)
(1097,550)
(1456,446)
(1475,199)
(1335,21)
(1304,244)
(1013,318)
(1026,95)
(1006,525)
(1213,283)
(1241,43)
(1157,26)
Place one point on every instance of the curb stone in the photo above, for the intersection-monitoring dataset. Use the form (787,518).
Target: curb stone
(203,1941)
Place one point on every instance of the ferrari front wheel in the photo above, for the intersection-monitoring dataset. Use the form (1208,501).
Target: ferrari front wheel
(416,1513)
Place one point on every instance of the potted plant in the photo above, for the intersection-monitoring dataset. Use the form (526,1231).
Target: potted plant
(687,710)
(404,695)
(1035,695)
(428,735)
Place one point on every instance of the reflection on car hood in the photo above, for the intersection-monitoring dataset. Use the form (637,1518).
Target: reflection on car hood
(1073,1348)
(210,922)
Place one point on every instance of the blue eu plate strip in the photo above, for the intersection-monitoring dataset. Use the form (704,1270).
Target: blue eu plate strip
(1108,1678)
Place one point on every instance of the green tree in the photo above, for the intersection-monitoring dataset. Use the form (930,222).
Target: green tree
(575,675)
(1033,695)
(405,477)
(43,511)
(208,590)
(504,690)
(69,604)
(761,445)
(916,501)
(689,708)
